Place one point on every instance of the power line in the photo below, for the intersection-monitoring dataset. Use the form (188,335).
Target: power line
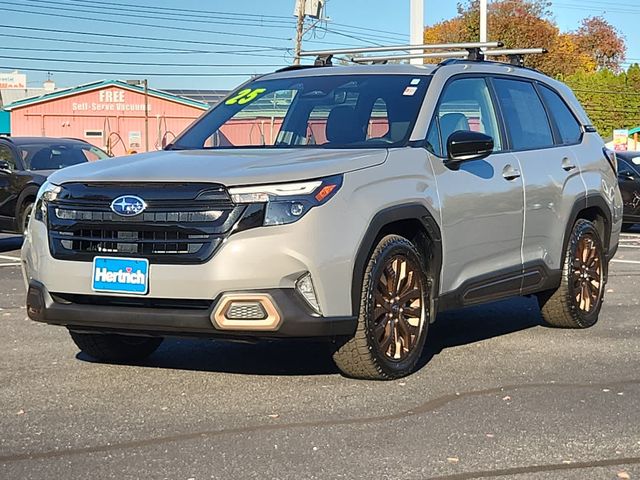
(137,24)
(158,16)
(377,44)
(140,74)
(181,10)
(138,37)
(137,52)
(137,64)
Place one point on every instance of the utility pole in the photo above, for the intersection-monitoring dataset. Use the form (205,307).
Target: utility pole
(417,27)
(301,4)
(146,114)
(483,20)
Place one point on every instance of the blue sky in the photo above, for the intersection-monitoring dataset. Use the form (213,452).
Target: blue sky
(181,32)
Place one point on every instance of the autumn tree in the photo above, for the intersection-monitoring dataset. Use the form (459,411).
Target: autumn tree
(603,41)
(529,24)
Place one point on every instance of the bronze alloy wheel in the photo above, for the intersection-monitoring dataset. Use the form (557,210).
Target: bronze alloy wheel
(394,313)
(587,274)
(577,300)
(399,313)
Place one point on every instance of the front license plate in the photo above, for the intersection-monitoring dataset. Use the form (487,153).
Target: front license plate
(120,275)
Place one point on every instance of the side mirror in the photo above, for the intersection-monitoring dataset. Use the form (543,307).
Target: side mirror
(464,145)
(5,167)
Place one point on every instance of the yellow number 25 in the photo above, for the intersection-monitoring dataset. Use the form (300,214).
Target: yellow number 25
(245,96)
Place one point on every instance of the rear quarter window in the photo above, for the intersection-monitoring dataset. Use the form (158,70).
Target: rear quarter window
(568,126)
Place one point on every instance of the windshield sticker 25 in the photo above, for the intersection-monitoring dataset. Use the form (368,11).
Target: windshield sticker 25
(245,96)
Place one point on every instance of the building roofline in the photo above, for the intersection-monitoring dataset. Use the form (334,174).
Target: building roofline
(101,84)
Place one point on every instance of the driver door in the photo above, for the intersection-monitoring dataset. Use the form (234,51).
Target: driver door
(482,201)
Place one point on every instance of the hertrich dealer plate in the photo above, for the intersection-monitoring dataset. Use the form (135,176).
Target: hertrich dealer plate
(120,275)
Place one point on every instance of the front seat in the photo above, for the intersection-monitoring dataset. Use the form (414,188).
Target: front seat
(452,122)
(343,126)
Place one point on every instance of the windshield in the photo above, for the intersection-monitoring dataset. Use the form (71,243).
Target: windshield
(54,157)
(354,111)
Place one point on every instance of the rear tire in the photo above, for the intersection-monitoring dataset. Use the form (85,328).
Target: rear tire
(394,314)
(115,348)
(577,302)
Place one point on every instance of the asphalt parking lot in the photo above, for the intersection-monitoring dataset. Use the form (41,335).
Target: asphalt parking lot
(498,395)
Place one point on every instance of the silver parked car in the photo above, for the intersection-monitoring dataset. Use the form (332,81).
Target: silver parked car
(348,203)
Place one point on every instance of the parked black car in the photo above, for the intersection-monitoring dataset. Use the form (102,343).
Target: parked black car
(25,163)
(629,181)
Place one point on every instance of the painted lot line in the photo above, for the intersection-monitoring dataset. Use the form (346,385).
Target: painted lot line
(9,257)
(9,264)
(635,262)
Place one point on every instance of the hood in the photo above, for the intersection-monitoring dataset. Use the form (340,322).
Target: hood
(228,167)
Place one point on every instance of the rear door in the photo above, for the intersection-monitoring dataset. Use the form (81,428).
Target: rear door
(481,200)
(541,132)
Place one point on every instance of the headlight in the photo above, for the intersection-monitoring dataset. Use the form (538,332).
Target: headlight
(288,202)
(47,193)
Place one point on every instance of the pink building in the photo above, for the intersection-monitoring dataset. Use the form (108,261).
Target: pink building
(109,114)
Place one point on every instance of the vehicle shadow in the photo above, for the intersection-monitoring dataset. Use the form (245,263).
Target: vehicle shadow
(475,324)
(10,243)
(293,358)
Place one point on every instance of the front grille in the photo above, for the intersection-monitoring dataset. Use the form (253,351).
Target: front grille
(187,229)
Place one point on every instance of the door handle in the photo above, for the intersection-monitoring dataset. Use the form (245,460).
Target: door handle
(567,165)
(510,173)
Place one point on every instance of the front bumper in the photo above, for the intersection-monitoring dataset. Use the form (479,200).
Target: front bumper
(167,320)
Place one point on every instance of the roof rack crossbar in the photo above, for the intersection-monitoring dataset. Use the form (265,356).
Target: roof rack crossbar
(386,58)
(516,55)
(395,48)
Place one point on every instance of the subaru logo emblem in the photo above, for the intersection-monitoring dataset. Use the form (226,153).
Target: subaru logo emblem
(128,205)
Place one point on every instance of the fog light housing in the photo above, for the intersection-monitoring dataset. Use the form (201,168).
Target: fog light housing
(246,311)
(304,286)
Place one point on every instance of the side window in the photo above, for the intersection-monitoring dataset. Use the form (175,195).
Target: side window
(7,156)
(465,105)
(568,126)
(433,138)
(625,170)
(524,115)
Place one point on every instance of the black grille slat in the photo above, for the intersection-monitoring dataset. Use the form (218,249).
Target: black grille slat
(81,225)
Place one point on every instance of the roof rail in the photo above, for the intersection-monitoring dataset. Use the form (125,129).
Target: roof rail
(397,48)
(515,56)
(475,51)
(472,50)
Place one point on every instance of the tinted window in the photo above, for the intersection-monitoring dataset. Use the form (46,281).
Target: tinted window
(7,156)
(568,126)
(332,111)
(433,138)
(524,115)
(465,105)
(624,169)
(42,156)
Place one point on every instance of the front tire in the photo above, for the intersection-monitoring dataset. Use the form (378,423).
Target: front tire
(577,302)
(394,314)
(115,348)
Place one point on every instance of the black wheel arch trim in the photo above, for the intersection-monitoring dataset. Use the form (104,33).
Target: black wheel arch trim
(388,216)
(30,190)
(590,201)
